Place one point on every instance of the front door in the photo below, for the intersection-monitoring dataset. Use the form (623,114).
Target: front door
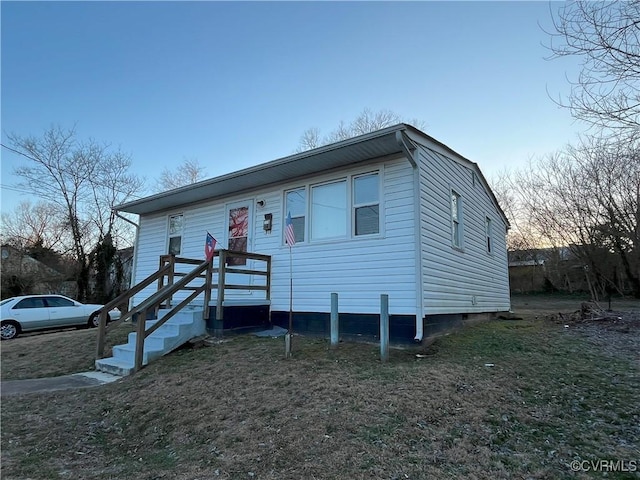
(239,228)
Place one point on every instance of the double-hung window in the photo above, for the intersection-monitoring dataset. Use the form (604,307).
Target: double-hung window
(176,225)
(296,206)
(366,204)
(456,219)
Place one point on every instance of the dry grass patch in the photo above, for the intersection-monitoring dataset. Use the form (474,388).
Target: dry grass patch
(51,354)
(238,410)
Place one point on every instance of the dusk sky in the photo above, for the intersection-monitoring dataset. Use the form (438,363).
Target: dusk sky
(236,84)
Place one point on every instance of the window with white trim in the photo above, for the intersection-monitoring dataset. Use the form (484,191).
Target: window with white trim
(329,210)
(342,208)
(488,228)
(176,226)
(456,219)
(296,205)
(366,205)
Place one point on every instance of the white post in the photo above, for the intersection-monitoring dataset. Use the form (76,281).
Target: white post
(287,346)
(384,328)
(289,336)
(334,320)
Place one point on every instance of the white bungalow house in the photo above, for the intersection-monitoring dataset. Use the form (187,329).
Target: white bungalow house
(391,212)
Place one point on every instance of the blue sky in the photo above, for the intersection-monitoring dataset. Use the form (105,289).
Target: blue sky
(236,84)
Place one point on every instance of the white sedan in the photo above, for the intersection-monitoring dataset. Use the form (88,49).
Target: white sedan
(39,312)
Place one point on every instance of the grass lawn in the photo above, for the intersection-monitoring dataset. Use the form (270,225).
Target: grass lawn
(502,399)
(50,354)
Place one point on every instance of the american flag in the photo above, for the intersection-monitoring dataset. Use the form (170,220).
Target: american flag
(289,236)
(209,247)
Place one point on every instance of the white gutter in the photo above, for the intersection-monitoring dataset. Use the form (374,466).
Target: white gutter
(135,251)
(400,138)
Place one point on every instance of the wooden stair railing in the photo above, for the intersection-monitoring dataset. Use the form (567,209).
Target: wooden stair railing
(154,301)
(164,294)
(120,300)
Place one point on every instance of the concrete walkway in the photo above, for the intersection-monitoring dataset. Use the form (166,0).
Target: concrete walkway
(52,384)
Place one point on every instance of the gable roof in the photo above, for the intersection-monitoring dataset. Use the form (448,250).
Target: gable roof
(361,149)
(16,261)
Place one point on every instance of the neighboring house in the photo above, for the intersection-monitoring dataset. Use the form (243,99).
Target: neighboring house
(391,212)
(544,270)
(538,256)
(23,274)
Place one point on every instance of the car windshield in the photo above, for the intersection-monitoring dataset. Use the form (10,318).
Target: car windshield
(6,300)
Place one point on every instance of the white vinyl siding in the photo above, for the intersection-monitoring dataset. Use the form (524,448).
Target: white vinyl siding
(458,280)
(359,269)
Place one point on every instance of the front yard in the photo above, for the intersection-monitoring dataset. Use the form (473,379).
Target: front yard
(504,399)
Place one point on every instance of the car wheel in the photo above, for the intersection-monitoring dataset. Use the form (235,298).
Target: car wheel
(94,320)
(9,329)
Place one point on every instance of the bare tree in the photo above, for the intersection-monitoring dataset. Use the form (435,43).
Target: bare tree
(84,180)
(33,224)
(587,199)
(606,37)
(309,139)
(188,172)
(522,235)
(367,121)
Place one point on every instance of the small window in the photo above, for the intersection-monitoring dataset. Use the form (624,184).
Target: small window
(329,210)
(37,302)
(488,228)
(59,302)
(296,205)
(456,219)
(366,204)
(176,224)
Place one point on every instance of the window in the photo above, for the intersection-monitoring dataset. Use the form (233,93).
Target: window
(176,224)
(329,210)
(488,228)
(344,208)
(366,204)
(296,205)
(35,302)
(59,302)
(238,233)
(456,219)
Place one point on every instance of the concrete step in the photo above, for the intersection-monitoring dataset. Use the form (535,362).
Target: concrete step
(160,339)
(179,329)
(115,366)
(127,353)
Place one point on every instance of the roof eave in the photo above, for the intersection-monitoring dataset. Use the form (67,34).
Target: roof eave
(206,189)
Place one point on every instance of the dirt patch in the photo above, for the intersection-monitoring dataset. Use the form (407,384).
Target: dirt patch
(617,333)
